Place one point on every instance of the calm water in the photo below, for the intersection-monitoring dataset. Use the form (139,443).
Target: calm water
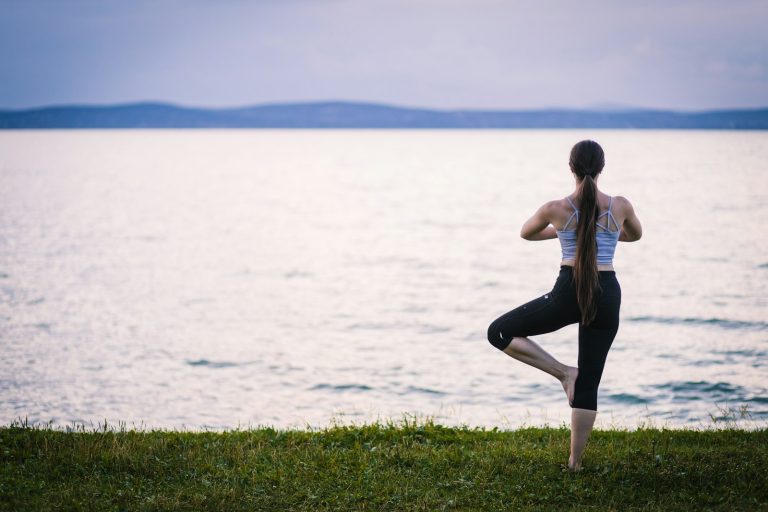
(214,279)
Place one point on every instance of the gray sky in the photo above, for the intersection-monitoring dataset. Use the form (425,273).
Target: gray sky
(685,55)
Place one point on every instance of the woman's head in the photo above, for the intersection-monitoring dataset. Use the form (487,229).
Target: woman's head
(587,159)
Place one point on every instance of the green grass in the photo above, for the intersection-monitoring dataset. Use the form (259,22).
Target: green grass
(405,466)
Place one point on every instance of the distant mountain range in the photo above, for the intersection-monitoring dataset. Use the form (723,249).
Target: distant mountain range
(368,115)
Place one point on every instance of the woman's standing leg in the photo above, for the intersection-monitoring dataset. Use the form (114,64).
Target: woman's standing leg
(595,341)
(582,421)
(593,351)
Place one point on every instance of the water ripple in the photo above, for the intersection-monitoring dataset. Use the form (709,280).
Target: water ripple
(717,322)
(342,387)
(698,390)
(416,389)
(218,364)
(628,398)
(744,352)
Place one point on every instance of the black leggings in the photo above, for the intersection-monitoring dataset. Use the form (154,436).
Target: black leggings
(559,308)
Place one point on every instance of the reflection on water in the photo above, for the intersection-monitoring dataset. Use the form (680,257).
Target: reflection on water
(199,278)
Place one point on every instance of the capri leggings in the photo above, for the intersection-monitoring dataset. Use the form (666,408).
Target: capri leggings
(559,308)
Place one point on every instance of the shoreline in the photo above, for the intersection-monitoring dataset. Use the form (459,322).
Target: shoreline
(726,418)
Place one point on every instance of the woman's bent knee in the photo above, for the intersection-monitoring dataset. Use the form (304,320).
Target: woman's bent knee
(496,337)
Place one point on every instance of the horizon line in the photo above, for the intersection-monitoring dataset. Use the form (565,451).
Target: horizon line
(609,109)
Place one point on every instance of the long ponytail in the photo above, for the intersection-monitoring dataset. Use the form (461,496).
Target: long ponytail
(587,161)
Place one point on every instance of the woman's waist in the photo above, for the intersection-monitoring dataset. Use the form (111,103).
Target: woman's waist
(601,267)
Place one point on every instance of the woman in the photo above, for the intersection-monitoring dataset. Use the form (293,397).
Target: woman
(588,223)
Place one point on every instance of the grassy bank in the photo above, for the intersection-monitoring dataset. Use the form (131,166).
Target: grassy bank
(404,466)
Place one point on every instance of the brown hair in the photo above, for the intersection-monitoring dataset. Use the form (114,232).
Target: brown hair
(587,161)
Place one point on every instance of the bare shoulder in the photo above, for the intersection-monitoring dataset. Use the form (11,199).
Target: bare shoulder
(558,204)
(554,204)
(622,205)
(555,208)
(557,212)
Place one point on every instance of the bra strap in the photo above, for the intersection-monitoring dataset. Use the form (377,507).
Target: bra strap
(610,215)
(569,221)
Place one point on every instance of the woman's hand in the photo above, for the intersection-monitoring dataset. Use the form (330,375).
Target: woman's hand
(539,226)
(548,233)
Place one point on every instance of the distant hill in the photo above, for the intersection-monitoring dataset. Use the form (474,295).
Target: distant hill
(368,115)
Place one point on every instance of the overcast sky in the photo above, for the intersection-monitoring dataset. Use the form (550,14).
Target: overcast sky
(488,54)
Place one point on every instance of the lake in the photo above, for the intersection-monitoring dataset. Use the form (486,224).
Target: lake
(213,279)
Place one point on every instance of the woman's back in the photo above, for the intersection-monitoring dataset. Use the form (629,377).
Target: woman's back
(614,212)
(607,232)
(611,210)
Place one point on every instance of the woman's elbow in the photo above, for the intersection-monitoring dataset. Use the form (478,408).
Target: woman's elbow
(632,237)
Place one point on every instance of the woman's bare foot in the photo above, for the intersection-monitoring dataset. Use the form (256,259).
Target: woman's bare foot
(569,382)
(573,467)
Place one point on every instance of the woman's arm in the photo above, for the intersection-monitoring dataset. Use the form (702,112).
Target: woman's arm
(539,226)
(548,233)
(631,230)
